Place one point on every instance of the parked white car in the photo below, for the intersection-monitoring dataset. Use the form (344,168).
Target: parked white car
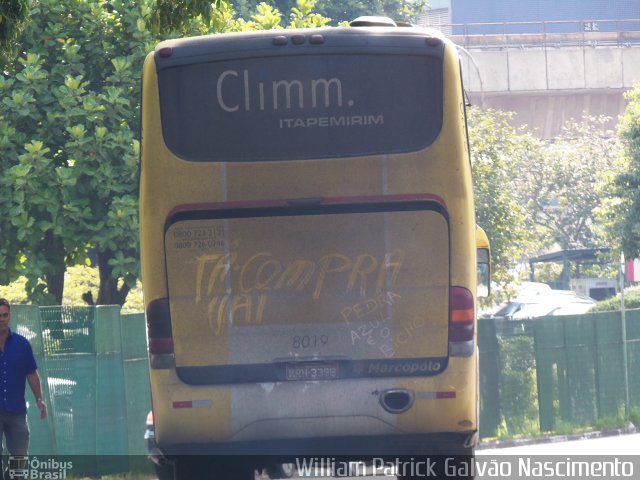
(545,302)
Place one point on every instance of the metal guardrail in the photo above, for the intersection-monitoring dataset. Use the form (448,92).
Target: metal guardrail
(561,33)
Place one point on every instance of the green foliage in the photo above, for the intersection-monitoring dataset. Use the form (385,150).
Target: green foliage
(497,152)
(620,211)
(631,301)
(15,292)
(634,414)
(613,421)
(265,17)
(339,12)
(303,16)
(13,17)
(82,283)
(562,427)
(534,197)
(197,17)
(561,188)
(171,16)
(68,126)
(518,386)
(268,17)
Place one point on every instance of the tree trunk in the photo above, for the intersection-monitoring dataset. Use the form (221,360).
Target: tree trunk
(55,286)
(109,294)
(54,278)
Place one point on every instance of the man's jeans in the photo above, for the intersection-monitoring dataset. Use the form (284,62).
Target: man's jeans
(15,429)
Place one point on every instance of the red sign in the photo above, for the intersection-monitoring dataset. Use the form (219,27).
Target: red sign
(633,270)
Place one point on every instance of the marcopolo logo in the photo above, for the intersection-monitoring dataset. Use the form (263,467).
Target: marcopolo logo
(405,368)
(23,467)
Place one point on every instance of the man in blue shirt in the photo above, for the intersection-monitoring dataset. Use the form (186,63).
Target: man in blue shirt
(17,367)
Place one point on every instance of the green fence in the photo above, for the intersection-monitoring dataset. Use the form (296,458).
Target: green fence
(536,376)
(557,374)
(94,370)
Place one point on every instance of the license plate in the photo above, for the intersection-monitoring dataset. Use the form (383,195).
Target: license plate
(312,372)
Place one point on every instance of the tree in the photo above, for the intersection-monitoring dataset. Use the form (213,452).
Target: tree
(561,188)
(531,196)
(13,18)
(175,16)
(401,10)
(498,151)
(620,211)
(69,122)
(69,119)
(343,11)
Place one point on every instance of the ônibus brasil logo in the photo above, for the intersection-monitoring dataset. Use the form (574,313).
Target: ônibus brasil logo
(21,467)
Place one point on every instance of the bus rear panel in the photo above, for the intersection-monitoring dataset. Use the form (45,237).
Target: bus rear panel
(308,243)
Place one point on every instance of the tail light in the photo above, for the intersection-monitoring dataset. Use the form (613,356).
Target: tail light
(159,327)
(461,315)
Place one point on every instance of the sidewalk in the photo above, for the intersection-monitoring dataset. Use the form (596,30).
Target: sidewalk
(519,442)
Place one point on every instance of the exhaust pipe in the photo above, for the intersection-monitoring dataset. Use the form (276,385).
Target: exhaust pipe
(396,400)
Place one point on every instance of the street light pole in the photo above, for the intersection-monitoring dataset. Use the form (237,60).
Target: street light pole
(625,366)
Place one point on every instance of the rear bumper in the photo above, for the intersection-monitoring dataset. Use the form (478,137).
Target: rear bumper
(450,443)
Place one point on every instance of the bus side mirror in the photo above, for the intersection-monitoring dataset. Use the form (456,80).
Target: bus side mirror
(484,273)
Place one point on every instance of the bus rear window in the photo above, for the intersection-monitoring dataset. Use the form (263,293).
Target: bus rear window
(301,107)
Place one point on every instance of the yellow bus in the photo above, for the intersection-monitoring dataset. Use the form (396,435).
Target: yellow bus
(309,246)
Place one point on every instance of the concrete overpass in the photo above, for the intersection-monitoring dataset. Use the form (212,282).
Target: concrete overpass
(549,78)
